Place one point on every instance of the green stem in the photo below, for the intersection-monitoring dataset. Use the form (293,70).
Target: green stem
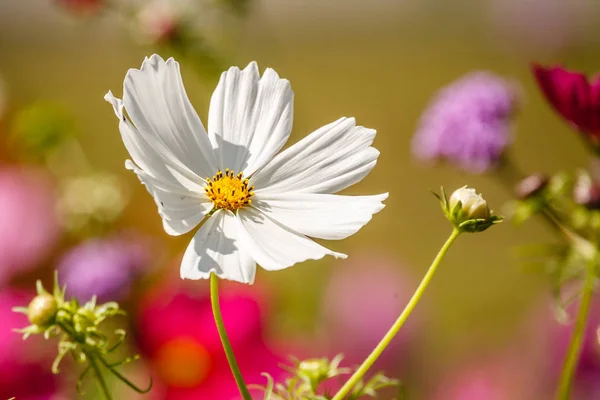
(214,299)
(98,373)
(370,360)
(574,350)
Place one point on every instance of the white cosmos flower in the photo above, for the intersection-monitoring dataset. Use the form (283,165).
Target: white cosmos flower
(261,204)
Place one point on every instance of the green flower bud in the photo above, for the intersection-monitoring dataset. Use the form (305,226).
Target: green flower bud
(42,310)
(472,205)
(314,369)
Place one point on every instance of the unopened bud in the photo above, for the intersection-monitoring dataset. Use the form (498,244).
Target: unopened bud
(315,369)
(42,310)
(531,186)
(586,192)
(473,206)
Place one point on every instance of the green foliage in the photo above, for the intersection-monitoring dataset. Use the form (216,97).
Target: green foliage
(77,328)
(308,375)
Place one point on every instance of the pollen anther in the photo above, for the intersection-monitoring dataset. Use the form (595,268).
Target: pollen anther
(229,191)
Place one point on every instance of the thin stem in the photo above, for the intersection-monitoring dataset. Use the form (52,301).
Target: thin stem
(214,299)
(370,360)
(574,350)
(98,373)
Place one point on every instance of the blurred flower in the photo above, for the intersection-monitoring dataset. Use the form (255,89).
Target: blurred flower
(365,296)
(531,186)
(105,267)
(159,21)
(468,123)
(82,7)
(250,120)
(178,334)
(586,385)
(91,202)
(543,26)
(547,341)
(586,191)
(501,378)
(24,367)
(574,97)
(28,228)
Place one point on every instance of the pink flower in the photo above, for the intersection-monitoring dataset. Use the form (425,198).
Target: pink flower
(573,96)
(178,334)
(24,366)
(547,343)
(501,377)
(364,296)
(28,227)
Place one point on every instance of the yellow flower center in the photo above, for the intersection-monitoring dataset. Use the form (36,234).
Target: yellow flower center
(228,190)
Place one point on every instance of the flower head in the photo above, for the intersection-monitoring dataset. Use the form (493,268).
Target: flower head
(261,203)
(573,96)
(104,267)
(468,123)
(29,227)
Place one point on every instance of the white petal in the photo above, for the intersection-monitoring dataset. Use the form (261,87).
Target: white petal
(250,119)
(328,160)
(216,248)
(181,210)
(325,216)
(158,106)
(152,156)
(274,246)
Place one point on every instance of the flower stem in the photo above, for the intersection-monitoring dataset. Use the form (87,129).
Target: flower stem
(98,373)
(370,360)
(574,350)
(214,299)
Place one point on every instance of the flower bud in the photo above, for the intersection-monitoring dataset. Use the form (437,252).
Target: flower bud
(314,369)
(586,192)
(472,205)
(42,310)
(531,186)
(467,210)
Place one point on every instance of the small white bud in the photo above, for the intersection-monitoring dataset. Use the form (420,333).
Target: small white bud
(473,205)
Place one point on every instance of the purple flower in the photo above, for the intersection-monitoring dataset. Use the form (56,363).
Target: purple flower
(468,123)
(105,267)
(29,227)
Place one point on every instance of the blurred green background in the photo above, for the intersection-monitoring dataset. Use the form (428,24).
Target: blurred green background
(380,61)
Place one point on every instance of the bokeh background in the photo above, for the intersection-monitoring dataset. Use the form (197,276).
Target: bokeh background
(484,329)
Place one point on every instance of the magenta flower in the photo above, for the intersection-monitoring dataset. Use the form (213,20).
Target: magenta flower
(105,267)
(29,228)
(24,366)
(178,334)
(573,96)
(468,124)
